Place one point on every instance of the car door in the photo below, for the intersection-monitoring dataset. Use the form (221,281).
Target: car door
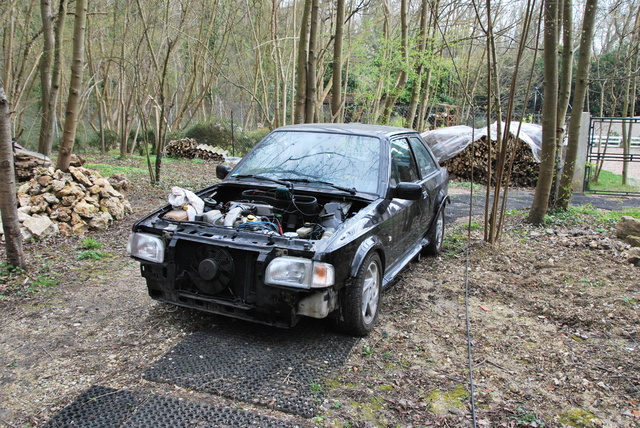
(408,214)
(429,180)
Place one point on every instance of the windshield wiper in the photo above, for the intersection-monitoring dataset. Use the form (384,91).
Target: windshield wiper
(352,190)
(262,177)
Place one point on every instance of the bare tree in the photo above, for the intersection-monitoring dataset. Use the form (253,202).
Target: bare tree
(75,87)
(336,100)
(8,200)
(582,85)
(302,64)
(540,203)
(52,30)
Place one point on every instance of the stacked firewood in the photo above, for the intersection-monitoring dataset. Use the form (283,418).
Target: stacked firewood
(57,202)
(26,163)
(190,149)
(525,167)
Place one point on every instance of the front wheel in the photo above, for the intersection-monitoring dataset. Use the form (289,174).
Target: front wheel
(360,301)
(436,236)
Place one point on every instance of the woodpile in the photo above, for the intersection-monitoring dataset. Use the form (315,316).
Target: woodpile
(70,203)
(189,148)
(525,167)
(26,162)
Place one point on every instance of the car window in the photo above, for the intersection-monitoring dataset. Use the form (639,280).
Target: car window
(350,161)
(426,163)
(403,165)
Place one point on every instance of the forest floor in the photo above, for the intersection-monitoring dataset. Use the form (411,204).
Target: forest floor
(554,326)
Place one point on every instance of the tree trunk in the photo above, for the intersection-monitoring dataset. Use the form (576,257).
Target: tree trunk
(336,100)
(301,68)
(50,78)
(8,200)
(564,91)
(422,51)
(582,85)
(75,87)
(312,61)
(402,73)
(549,110)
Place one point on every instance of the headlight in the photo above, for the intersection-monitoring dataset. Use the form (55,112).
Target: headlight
(146,247)
(299,273)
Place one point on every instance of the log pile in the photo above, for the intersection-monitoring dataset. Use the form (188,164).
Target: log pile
(26,162)
(189,148)
(525,167)
(55,202)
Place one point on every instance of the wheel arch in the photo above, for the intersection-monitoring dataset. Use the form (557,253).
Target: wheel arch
(372,243)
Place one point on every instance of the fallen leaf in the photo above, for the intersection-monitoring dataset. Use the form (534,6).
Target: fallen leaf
(485,308)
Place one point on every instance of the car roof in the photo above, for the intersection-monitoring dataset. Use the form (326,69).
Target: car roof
(348,128)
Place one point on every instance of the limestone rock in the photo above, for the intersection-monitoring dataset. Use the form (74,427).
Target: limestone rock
(634,256)
(85,209)
(114,207)
(628,226)
(80,176)
(65,229)
(632,240)
(120,183)
(101,221)
(40,226)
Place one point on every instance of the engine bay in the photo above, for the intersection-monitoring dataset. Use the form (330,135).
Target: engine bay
(281,211)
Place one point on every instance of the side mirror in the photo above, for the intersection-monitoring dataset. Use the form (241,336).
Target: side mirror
(408,191)
(222,171)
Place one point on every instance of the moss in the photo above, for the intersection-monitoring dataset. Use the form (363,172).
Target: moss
(440,402)
(578,418)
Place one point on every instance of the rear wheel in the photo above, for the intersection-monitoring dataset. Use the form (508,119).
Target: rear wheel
(436,236)
(361,300)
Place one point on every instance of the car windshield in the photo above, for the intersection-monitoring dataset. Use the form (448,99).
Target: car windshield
(349,161)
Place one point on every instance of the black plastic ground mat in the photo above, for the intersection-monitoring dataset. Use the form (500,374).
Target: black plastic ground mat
(101,407)
(281,369)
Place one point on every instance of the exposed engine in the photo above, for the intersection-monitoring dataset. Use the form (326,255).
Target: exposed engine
(278,211)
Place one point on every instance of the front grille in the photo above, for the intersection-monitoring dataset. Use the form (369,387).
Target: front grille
(215,271)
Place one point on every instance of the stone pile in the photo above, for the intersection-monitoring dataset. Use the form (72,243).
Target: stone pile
(55,202)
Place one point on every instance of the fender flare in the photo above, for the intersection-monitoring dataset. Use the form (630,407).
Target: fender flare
(372,243)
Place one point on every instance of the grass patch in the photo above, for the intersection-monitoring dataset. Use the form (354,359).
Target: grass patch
(610,182)
(109,170)
(91,250)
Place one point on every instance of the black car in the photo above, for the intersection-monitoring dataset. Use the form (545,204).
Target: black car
(315,221)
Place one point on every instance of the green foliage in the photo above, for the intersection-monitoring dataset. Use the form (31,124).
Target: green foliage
(588,215)
(527,418)
(111,140)
(91,250)
(107,170)
(90,244)
(215,134)
(218,134)
(93,255)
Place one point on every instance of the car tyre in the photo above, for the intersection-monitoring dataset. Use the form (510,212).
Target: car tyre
(436,236)
(360,301)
